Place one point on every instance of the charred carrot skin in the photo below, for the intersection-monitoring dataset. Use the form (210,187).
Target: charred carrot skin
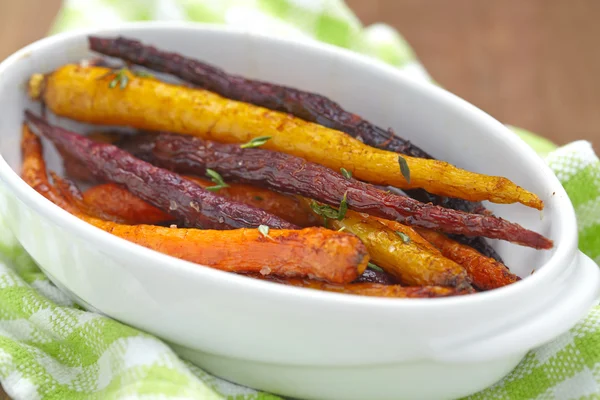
(308,106)
(183,199)
(294,175)
(376,290)
(373,276)
(486,273)
(83,94)
(314,253)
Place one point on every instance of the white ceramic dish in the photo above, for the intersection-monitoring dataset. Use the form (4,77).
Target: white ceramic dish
(298,342)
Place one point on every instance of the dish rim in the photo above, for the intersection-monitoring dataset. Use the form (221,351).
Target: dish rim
(564,253)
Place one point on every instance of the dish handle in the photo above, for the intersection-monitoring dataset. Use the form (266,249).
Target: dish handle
(579,293)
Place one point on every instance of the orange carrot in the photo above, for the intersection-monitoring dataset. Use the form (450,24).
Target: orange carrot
(319,253)
(485,272)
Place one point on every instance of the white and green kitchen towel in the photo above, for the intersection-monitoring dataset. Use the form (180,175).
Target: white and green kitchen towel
(51,349)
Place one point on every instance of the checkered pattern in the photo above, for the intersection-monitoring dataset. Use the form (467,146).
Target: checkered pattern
(51,349)
(567,368)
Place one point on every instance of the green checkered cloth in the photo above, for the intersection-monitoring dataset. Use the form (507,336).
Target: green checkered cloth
(51,349)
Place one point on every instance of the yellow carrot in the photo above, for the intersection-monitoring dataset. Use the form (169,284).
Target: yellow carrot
(85,94)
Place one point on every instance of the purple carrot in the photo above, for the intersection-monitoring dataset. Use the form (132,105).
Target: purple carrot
(293,175)
(308,106)
(185,200)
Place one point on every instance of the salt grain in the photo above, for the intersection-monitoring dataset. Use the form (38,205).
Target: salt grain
(195,205)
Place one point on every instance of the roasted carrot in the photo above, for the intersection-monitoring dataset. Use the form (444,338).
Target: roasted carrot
(416,263)
(85,94)
(308,106)
(411,262)
(376,290)
(33,170)
(185,200)
(485,273)
(114,200)
(142,145)
(313,252)
(293,175)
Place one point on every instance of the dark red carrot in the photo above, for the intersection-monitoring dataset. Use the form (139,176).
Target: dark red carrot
(185,200)
(293,175)
(308,106)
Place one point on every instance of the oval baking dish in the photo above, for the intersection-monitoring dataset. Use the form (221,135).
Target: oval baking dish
(297,342)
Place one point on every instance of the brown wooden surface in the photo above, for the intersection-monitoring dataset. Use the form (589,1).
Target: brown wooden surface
(24,21)
(531,63)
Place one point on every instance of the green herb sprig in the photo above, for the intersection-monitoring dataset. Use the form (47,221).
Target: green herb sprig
(404,168)
(347,174)
(256,142)
(216,178)
(404,236)
(328,212)
(374,267)
(121,79)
